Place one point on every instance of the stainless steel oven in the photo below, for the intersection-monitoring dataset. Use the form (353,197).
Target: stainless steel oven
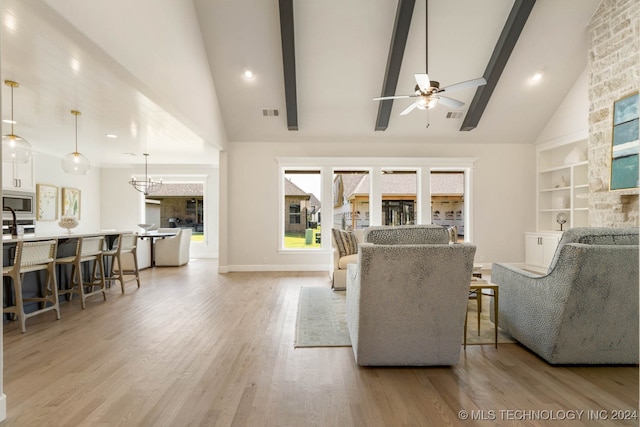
(22,202)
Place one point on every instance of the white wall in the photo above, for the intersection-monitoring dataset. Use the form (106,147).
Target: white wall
(570,120)
(48,170)
(122,207)
(503,206)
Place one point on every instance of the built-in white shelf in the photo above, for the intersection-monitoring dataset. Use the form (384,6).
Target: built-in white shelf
(562,182)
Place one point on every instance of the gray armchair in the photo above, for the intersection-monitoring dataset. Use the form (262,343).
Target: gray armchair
(406,303)
(585,309)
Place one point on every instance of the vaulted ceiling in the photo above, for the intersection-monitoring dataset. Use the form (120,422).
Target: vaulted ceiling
(166,75)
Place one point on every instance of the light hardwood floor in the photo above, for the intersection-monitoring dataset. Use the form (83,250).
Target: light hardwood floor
(195,348)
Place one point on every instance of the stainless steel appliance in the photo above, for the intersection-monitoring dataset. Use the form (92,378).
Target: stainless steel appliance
(22,202)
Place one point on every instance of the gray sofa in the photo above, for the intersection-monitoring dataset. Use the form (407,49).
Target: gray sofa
(585,309)
(407,297)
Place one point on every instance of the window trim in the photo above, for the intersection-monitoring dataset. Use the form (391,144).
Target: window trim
(374,165)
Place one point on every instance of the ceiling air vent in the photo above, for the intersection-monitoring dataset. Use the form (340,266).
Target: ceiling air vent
(270,112)
(455,114)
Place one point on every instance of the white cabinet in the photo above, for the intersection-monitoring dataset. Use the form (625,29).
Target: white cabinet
(18,176)
(562,184)
(539,249)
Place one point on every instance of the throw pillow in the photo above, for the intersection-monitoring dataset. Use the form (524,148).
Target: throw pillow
(346,242)
(453,234)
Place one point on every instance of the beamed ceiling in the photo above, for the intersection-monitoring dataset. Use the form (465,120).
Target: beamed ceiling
(166,75)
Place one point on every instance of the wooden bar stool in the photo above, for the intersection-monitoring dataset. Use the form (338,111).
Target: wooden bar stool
(29,257)
(87,249)
(124,259)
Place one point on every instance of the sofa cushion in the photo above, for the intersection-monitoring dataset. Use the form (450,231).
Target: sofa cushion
(347,259)
(346,242)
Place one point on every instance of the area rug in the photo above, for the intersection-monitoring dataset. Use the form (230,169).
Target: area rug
(321,321)
(487,334)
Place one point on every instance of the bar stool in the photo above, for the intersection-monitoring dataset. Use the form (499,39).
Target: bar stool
(126,243)
(33,256)
(87,249)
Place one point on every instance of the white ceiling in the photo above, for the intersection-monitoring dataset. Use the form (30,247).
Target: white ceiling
(148,69)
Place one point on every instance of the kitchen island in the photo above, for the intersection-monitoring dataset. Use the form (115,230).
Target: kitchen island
(34,281)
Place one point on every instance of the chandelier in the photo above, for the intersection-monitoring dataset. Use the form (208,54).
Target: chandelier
(148,185)
(76,163)
(15,148)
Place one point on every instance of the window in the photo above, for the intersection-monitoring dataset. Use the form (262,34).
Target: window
(294,214)
(399,197)
(447,200)
(177,205)
(351,190)
(302,205)
(368,191)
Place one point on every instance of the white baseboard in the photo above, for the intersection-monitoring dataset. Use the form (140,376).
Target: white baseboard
(269,267)
(3,407)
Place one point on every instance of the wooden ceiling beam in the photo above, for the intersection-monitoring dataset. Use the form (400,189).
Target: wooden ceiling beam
(289,62)
(394,61)
(507,41)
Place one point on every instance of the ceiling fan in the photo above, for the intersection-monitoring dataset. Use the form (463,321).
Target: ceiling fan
(428,92)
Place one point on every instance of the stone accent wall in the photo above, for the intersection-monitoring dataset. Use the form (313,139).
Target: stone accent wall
(614,72)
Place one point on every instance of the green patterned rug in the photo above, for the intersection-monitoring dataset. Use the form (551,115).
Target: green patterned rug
(322,321)
(321,318)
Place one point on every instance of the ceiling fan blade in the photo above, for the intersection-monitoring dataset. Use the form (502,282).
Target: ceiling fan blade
(409,108)
(382,98)
(423,81)
(449,102)
(464,85)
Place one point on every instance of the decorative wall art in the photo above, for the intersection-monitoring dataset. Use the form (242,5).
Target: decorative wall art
(46,202)
(624,143)
(71,202)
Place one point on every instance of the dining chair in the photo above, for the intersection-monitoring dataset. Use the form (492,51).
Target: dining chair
(32,257)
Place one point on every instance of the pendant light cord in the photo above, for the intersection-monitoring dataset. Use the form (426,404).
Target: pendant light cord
(12,121)
(76,133)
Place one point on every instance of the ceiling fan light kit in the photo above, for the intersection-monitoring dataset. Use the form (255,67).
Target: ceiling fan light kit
(429,90)
(76,163)
(15,148)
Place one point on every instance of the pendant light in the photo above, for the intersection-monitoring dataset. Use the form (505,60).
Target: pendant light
(15,148)
(148,185)
(76,163)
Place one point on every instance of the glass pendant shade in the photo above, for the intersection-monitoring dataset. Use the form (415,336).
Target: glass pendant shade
(76,163)
(15,148)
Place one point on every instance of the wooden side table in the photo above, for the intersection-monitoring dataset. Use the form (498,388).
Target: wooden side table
(478,287)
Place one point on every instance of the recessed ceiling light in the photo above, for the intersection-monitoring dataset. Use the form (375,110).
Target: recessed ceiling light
(11,122)
(248,74)
(10,22)
(75,65)
(111,135)
(536,78)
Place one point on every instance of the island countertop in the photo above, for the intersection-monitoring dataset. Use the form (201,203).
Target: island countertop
(6,238)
